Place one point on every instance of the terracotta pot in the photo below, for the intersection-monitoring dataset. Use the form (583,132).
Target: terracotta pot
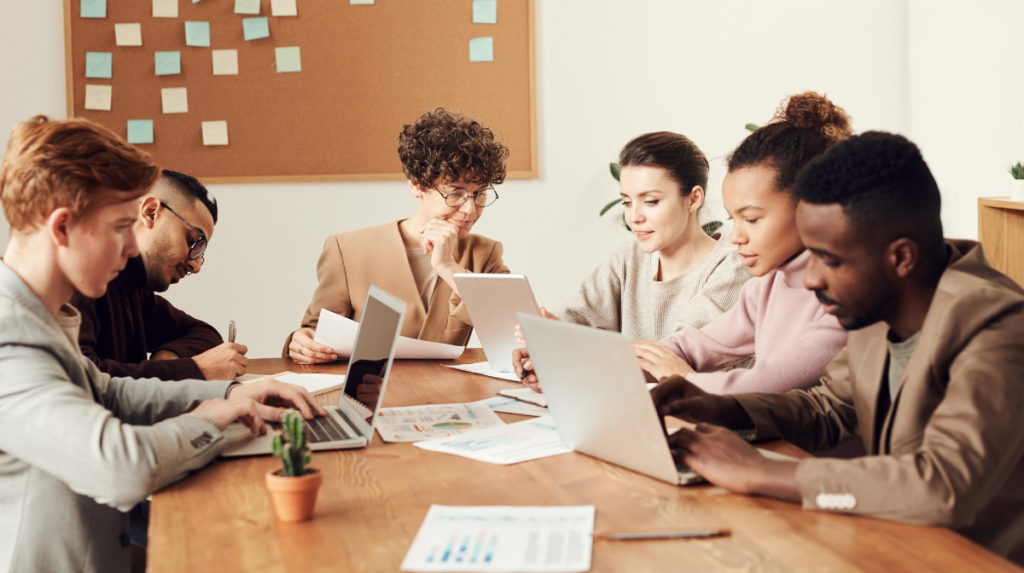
(294,497)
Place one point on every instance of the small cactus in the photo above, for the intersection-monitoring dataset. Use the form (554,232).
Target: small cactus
(290,445)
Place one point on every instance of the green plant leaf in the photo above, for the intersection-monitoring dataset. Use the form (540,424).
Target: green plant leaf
(1016,171)
(615,170)
(751,127)
(711,227)
(609,206)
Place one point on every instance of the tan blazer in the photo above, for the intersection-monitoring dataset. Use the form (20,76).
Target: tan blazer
(950,450)
(352,261)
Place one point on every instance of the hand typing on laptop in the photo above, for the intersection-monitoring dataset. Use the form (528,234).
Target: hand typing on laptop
(252,404)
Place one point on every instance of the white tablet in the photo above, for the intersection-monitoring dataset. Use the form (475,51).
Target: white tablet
(493,301)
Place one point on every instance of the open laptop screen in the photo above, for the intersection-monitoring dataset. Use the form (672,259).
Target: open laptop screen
(367,368)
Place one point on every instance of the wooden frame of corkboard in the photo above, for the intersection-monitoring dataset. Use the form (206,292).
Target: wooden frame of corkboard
(366,72)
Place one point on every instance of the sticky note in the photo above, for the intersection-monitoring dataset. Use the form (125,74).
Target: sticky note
(197,34)
(481,49)
(361,2)
(247,6)
(175,100)
(165,8)
(128,34)
(255,28)
(225,62)
(288,59)
(94,8)
(140,131)
(97,97)
(168,63)
(99,65)
(485,11)
(215,133)
(283,8)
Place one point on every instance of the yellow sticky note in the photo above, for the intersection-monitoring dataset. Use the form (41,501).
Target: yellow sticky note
(165,8)
(283,8)
(215,133)
(97,97)
(128,34)
(175,100)
(225,62)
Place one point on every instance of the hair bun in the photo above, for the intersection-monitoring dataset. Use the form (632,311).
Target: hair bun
(810,110)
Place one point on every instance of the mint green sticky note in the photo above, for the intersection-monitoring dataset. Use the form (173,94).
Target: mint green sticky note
(197,34)
(247,6)
(94,8)
(481,49)
(288,59)
(485,11)
(140,131)
(255,28)
(195,1)
(99,65)
(168,63)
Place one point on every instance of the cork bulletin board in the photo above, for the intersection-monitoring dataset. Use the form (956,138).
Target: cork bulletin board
(366,70)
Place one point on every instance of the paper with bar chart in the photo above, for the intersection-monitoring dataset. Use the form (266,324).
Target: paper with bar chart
(414,423)
(510,444)
(503,538)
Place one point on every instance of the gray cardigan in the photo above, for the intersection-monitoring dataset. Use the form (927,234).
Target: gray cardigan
(78,447)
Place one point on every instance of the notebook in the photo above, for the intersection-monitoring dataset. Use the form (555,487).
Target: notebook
(314,383)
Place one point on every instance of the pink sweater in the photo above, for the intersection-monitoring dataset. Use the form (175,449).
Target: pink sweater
(777,320)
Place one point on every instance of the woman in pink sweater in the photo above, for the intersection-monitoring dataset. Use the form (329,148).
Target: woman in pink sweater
(776,319)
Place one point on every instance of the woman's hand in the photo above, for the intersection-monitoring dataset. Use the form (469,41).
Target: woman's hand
(304,350)
(660,362)
(439,239)
(544,314)
(524,369)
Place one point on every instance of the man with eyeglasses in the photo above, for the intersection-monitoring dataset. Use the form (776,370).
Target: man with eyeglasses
(131,321)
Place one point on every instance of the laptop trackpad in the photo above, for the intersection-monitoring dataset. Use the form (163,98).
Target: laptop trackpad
(242,442)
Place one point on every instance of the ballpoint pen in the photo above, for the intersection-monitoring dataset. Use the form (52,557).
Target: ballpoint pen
(689,534)
(231,331)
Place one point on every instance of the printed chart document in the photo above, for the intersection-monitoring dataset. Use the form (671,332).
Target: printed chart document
(509,444)
(513,406)
(485,369)
(503,538)
(414,423)
(339,333)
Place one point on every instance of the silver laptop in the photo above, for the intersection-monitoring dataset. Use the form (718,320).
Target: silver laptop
(493,301)
(350,423)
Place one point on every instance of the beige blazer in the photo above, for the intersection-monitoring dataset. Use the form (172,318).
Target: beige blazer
(950,451)
(352,261)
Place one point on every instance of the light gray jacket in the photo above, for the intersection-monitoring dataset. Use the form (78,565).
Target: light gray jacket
(78,447)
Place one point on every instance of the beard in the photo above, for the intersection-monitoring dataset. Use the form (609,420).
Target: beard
(157,261)
(873,306)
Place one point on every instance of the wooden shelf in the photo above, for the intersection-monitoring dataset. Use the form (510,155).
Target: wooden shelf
(1001,232)
(1001,203)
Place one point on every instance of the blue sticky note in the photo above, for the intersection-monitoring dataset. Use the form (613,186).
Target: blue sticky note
(197,34)
(481,49)
(168,63)
(255,28)
(195,1)
(140,131)
(288,59)
(99,65)
(247,6)
(485,11)
(94,8)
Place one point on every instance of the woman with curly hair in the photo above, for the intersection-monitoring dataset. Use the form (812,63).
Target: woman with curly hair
(452,163)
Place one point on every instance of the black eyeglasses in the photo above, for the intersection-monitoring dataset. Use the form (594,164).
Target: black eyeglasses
(483,198)
(197,248)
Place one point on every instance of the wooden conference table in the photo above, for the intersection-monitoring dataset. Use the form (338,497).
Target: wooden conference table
(373,501)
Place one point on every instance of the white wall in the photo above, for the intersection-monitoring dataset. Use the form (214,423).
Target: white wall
(606,74)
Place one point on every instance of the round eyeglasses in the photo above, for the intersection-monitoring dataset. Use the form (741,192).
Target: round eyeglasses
(482,198)
(196,248)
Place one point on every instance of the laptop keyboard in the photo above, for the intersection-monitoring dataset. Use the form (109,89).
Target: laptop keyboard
(321,429)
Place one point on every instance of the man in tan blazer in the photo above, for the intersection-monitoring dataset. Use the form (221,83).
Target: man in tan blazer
(932,379)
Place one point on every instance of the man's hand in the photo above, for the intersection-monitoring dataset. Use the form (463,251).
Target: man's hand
(660,362)
(223,362)
(164,355)
(368,391)
(304,350)
(677,396)
(274,397)
(223,412)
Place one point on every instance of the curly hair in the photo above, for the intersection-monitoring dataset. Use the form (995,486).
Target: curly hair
(444,147)
(804,127)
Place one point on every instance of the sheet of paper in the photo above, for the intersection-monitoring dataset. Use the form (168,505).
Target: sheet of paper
(283,8)
(167,63)
(197,34)
(225,62)
(97,97)
(485,369)
(503,539)
(255,28)
(128,34)
(247,6)
(288,59)
(94,8)
(175,100)
(99,65)
(513,406)
(481,49)
(140,131)
(510,444)
(415,423)
(215,133)
(485,11)
(165,8)
(339,333)
(315,383)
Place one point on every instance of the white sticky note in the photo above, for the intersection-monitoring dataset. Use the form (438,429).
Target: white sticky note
(128,34)
(165,8)
(215,133)
(283,8)
(361,2)
(247,6)
(97,97)
(175,100)
(225,62)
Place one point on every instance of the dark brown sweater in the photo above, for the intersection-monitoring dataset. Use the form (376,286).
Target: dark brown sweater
(122,327)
